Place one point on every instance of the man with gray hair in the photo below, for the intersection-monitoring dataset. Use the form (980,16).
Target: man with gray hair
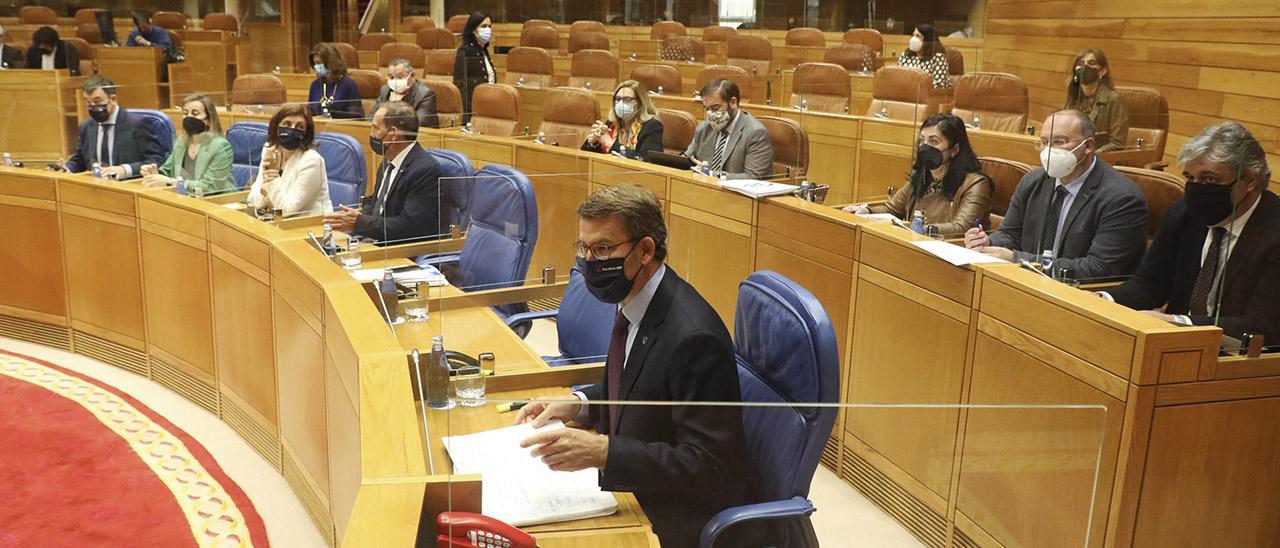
(403,85)
(1216,257)
(1086,218)
(10,57)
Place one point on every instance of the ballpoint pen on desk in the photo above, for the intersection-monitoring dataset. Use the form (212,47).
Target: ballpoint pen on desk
(509,407)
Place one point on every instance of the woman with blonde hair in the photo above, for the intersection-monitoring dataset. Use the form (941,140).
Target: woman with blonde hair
(201,155)
(632,128)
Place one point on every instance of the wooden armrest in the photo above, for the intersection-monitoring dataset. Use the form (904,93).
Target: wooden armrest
(560,375)
(420,248)
(496,297)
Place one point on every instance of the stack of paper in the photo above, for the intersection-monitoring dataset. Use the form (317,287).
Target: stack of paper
(517,487)
(428,274)
(954,254)
(756,188)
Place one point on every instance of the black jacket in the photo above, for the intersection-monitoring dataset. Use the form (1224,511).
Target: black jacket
(65,56)
(1250,293)
(413,207)
(11,57)
(421,98)
(138,140)
(469,71)
(650,138)
(684,463)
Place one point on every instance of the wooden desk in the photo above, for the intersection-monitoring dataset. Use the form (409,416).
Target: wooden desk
(138,72)
(212,57)
(41,110)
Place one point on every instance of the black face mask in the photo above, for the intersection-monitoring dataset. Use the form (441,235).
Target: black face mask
(606,279)
(194,126)
(1086,75)
(928,157)
(1209,204)
(99,113)
(290,138)
(377,145)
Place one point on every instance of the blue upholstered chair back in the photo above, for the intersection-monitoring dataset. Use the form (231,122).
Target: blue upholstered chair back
(456,177)
(344,165)
(786,351)
(584,323)
(169,134)
(247,140)
(504,229)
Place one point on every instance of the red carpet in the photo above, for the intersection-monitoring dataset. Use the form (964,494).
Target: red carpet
(82,464)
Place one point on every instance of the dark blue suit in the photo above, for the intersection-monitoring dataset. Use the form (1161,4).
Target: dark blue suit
(412,208)
(138,140)
(158,37)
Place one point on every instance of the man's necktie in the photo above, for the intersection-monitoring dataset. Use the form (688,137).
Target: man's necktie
(613,365)
(717,161)
(104,146)
(385,190)
(1208,271)
(1051,220)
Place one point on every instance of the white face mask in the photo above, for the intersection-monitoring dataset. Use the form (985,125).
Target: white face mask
(1058,162)
(915,43)
(398,85)
(484,34)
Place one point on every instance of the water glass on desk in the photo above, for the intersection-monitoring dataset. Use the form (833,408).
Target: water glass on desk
(416,308)
(351,257)
(468,385)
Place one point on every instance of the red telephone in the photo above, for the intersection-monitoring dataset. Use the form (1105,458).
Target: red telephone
(465,529)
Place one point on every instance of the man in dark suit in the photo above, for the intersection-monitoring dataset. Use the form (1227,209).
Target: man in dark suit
(147,35)
(684,463)
(406,201)
(730,141)
(10,57)
(403,86)
(48,51)
(1216,257)
(1092,218)
(119,141)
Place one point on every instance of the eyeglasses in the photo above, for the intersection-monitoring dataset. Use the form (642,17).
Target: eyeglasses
(1058,142)
(600,251)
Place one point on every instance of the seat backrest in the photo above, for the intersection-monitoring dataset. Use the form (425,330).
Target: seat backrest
(538,23)
(903,93)
(753,53)
(415,23)
(584,323)
(806,36)
(86,16)
(169,20)
(790,147)
(440,64)
(1005,175)
(870,38)
(457,23)
(727,72)
(588,39)
(495,110)
(717,33)
(247,140)
(1160,188)
(677,130)
(89,32)
(824,87)
(853,57)
(348,53)
(257,89)
(220,21)
(37,15)
(1148,119)
(435,38)
(374,41)
(540,37)
(955,60)
(785,349)
(400,50)
(682,48)
(567,115)
(597,68)
(658,76)
(175,38)
(448,102)
(457,178)
(344,165)
(530,67)
(662,29)
(502,233)
(586,26)
(166,140)
(83,48)
(369,82)
(998,100)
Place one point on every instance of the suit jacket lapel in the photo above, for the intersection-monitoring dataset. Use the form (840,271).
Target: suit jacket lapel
(1087,190)
(647,336)
(1250,238)
(1033,217)
(734,135)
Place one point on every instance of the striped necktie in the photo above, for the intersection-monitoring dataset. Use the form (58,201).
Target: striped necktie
(717,161)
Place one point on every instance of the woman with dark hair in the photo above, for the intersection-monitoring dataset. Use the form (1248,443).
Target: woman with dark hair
(947,182)
(925,52)
(49,51)
(332,93)
(1090,91)
(472,66)
(292,175)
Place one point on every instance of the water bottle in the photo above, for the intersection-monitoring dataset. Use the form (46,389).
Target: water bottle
(884,112)
(97,170)
(806,191)
(520,81)
(804,104)
(542,138)
(326,240)
(8,160)
(659,90)
(180,185)
(977,123)
(588,86)
(198,192)
(917,221)
(387,288)
(438,376)
(469,128)
(1046,261)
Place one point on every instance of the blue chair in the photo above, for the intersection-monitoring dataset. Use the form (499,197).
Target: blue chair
(344,165)
(247,140)
(583,324)
(456,179)
(164,120)
(786,351)
(504,230)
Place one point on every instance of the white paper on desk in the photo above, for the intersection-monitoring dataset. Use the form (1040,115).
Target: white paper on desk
(756,188)
(955,254)
(427,274)
(517,487)
(882,216)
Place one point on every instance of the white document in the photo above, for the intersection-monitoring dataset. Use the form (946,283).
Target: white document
(881,216)
(954,254)
(517,487)
(756,188)
(427,274)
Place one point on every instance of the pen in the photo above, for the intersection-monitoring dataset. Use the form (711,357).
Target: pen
(508,407)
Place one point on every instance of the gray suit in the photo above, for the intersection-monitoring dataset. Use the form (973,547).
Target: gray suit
(1103,234)
(748,154)
(421,98)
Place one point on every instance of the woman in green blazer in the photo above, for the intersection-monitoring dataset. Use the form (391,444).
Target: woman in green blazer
(201,155)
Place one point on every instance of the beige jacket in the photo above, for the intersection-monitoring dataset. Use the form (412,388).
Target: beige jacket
(953,217)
